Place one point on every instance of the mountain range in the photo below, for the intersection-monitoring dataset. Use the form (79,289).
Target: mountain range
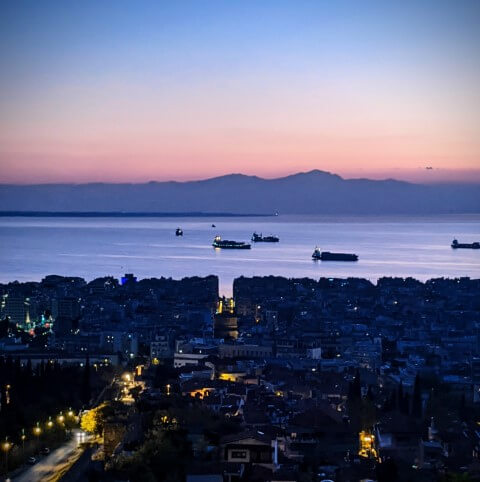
(314,192)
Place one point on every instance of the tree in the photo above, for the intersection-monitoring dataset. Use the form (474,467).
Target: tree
(163,456)
(85,393)
(354,402)
(387,471)
(135,392)
(400,396)
(417,398)
(93,420)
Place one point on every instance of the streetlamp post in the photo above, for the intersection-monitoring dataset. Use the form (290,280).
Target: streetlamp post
(23,437)
(71,418)
(6,447)
(37,431)
(48,432)
(61,421)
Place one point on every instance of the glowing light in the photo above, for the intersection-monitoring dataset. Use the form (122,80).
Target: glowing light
(229,377)
(367,445)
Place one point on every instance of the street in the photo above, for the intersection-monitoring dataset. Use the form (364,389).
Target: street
(56,462)
(126,383)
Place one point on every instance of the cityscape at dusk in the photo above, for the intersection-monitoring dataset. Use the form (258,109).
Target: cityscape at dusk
(240,241)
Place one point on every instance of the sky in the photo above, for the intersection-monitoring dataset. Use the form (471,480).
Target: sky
(133,91)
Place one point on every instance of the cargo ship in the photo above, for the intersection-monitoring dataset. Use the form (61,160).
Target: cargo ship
(218,242)
(178,232)
(259,238)
(457,245)
(328,256)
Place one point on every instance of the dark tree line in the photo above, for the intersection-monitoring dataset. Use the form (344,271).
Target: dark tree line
(404,403)
(30,394)
(361,410)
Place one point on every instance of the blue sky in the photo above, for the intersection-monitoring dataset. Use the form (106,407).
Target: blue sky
(281,85)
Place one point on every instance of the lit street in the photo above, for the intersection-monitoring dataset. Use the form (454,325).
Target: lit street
(126,383)
(56,462)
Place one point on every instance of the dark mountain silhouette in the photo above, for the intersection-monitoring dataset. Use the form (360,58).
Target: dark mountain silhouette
(314,192)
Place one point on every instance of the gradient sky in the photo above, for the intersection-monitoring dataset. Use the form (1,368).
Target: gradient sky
(140,90)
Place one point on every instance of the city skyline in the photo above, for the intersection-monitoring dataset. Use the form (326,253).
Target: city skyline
(117,93)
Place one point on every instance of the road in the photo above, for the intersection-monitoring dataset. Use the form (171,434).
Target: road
(51,465)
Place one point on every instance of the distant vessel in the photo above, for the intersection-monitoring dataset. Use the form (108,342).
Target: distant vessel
(213,226)
(178,232)
(258,238)
(218,242)
(327,256)
(456,245)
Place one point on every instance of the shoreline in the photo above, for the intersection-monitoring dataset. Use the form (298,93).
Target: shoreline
(120,214)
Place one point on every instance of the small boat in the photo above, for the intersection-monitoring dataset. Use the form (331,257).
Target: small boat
(178,232)
(328,256)
(218,242)
(259,238)
(213,226)
(457,245)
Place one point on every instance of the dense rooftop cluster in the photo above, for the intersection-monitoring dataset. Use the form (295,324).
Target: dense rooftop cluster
(292,379)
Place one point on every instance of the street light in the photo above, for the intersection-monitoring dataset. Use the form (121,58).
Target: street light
(49,423)
(61,421)
(168,388)
(6,446)
(37,431)
(23,437)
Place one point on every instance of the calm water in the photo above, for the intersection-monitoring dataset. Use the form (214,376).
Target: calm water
(30,248)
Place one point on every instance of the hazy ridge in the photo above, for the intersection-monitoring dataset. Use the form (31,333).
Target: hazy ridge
(314,192)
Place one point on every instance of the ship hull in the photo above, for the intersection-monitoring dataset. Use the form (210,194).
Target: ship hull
(245,246)
(258,238)
(231,246)
(327,256)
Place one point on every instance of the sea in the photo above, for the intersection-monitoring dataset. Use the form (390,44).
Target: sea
(32,247)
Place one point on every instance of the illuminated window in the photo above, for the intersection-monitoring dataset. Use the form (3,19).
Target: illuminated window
(239,454)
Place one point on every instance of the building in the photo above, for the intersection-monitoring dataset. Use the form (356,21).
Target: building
(225,322)
(244,351)
(17,308)
(66,308)
(160,348)
(476,379)
(248,448)
(184,359)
